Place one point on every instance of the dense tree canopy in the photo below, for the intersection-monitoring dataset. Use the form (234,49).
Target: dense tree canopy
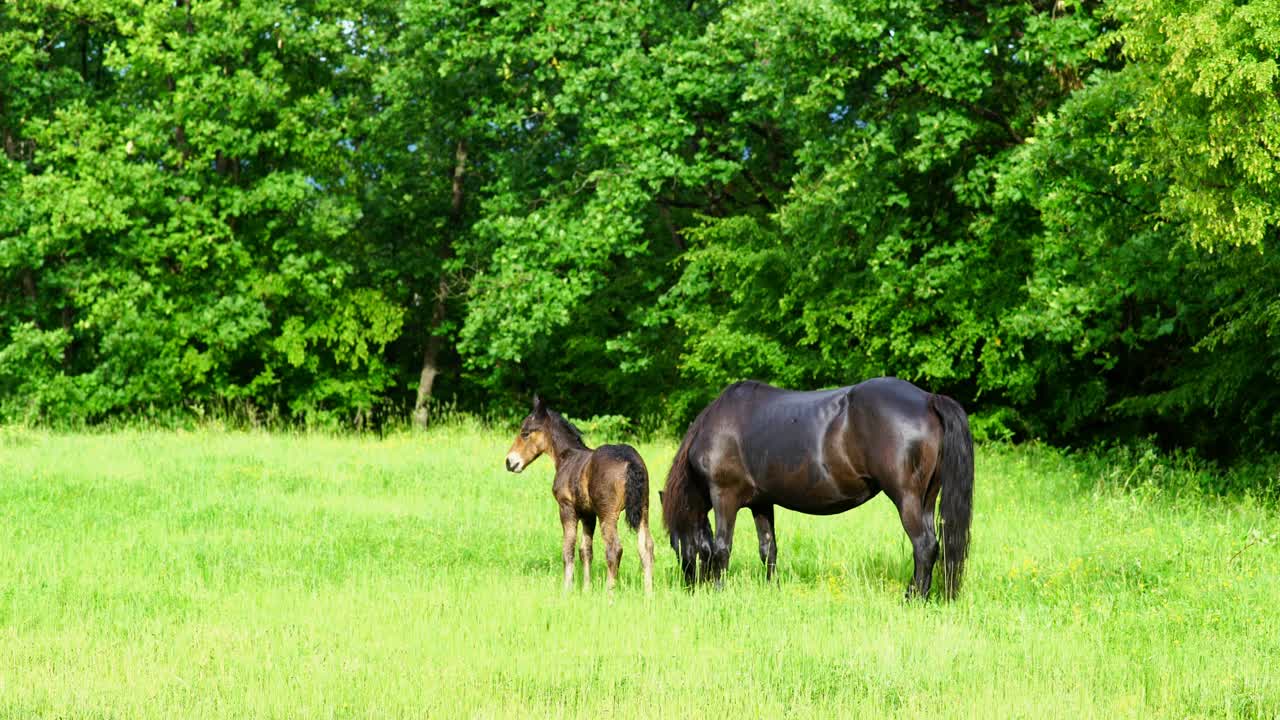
(1063,213)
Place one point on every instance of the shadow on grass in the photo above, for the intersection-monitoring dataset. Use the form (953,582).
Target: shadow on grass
(874,568)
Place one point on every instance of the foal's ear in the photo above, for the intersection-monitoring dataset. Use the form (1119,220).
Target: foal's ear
(539,407)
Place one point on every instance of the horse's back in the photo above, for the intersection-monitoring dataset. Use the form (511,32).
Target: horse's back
(608,472)
(616,454)
(888,397)
(891,414)
(814,451)
(778,420)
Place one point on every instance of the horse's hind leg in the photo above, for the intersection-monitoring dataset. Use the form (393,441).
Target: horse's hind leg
(612,547)
(924,542)
(768,543)
(644,543)
(584,549)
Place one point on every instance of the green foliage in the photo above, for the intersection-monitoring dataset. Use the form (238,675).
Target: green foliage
(1143,310)
(31,376)
(189,231)
(1062,213)
(1206,108)
(602,429)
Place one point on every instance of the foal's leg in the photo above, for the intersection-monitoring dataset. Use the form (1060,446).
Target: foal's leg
(924,543)
(584,549)
(726,510)
(768,543)
(612,547)
(644,541)
(569,522)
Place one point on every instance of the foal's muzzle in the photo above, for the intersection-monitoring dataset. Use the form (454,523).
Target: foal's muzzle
(514,463)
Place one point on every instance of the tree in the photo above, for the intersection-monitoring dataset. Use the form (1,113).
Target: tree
(194,221)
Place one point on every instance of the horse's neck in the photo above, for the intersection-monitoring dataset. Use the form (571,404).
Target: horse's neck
(568,457)
(570,462)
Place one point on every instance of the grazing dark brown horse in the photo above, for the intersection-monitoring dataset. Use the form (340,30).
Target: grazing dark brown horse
(589,484)
(822,453)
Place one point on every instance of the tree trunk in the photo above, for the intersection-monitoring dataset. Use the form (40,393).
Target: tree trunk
(664,211)
(430,356)
(28,284)
(431,353)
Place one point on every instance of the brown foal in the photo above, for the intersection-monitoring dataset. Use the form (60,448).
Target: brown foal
(590,484)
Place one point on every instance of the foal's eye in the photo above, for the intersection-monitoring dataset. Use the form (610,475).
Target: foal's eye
(524,433)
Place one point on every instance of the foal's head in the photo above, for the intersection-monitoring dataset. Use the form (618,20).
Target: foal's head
(543,430)
(534,437)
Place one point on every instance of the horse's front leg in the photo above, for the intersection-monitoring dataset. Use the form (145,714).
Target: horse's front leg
(569,522)
(726,510)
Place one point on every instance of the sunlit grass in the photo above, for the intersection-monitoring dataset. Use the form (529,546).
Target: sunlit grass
(214,574)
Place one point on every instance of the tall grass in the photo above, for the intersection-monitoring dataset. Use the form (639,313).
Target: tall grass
(249,574)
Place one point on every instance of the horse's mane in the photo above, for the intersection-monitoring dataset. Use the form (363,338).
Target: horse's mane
(566,433)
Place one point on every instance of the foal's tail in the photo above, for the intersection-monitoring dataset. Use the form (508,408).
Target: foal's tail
(955,471)
(637,493)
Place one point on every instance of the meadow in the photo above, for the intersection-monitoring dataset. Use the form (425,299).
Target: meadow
(211,573)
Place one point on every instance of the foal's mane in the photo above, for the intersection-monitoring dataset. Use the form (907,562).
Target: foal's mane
(565,433)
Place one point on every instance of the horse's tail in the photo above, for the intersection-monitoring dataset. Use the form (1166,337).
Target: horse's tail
(955,471)
(637,492)
(685,503)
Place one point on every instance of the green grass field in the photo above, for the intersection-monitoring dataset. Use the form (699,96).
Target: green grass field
(217,574)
